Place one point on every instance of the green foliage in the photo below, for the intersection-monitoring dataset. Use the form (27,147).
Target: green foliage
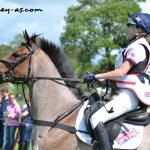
(16,89)
(95,27)
(18,39)
(5,50)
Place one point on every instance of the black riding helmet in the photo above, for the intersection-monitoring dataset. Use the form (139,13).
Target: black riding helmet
(141,20)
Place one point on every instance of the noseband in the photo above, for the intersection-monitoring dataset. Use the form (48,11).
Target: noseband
(12,65)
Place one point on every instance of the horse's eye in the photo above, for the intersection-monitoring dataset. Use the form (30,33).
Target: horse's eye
(15,55)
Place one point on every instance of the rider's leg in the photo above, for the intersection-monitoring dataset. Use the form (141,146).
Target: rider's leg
(101,137)
(125,101)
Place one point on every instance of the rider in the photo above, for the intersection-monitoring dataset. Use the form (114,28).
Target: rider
(130,75)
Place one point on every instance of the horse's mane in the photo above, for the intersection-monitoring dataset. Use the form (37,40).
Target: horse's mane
(61,63)
(57,57)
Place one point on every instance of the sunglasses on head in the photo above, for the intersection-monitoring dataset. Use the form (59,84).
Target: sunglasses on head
(130,25)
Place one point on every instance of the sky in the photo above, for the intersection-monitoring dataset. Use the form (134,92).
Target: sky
(49,21)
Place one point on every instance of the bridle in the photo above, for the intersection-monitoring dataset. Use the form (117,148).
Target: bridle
(8,76)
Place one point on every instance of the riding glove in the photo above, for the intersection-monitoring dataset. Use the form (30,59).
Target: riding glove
(89,78)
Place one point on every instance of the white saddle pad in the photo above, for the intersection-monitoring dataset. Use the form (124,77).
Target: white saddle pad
(125,140)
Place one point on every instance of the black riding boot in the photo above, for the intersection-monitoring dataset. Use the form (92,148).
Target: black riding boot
(101,137)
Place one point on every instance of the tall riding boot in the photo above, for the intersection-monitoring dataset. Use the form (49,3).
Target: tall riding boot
(102,137)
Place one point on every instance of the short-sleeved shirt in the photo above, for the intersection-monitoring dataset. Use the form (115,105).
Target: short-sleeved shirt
(135,54)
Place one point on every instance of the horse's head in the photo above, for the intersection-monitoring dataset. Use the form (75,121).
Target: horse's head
(18,62)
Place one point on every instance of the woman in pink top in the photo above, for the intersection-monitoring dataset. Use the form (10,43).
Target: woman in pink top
(12,121)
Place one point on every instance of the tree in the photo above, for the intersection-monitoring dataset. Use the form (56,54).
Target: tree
(95,27)
(17,40)
(6,49)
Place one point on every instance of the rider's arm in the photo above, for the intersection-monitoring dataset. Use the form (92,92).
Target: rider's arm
(117,73)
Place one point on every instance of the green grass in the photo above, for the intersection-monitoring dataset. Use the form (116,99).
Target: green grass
(16,147)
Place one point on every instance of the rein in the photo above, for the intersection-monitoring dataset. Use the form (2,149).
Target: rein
(8,76)
(14,78)
(56,124)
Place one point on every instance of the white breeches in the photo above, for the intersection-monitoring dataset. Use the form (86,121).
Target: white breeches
(125,102)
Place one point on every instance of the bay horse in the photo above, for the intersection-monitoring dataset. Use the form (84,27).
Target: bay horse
(49,98)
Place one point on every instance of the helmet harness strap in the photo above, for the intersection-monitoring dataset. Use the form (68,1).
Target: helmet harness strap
(135,29)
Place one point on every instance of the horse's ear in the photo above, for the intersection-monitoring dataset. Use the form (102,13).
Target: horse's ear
(34,37)
(26,37)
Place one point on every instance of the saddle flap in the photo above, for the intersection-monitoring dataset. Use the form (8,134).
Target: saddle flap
(89,111)
(112,127)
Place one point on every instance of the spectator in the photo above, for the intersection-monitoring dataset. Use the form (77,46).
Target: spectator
(5,99)
(1,121)
(12,114)
(25,126)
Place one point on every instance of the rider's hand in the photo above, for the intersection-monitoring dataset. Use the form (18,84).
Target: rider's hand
(89,78)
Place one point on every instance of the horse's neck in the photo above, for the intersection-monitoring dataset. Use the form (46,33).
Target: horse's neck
(48,97)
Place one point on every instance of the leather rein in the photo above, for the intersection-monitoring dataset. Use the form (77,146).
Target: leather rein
(8,76)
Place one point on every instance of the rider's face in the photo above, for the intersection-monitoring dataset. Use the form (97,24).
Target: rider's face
(130,32)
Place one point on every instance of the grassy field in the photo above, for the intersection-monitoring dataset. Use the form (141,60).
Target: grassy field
(16,147)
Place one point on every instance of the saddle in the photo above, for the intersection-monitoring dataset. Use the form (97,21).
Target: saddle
(112,127)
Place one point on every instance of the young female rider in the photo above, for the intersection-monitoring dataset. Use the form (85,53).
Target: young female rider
(130,75)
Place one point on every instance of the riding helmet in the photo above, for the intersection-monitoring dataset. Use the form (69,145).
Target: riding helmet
(141,20)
